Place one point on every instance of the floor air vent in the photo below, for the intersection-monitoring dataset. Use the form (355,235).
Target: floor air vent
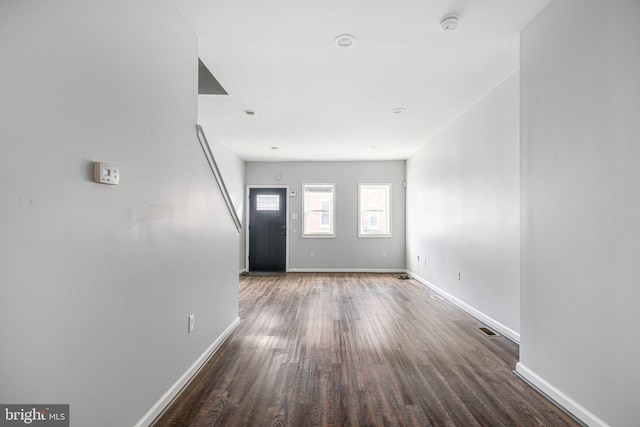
(437,297)
(488,332)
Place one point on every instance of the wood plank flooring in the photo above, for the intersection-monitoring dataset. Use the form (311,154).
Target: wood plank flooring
(357,350)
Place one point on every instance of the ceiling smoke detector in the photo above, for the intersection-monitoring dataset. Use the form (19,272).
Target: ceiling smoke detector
(344,41)
(449,23)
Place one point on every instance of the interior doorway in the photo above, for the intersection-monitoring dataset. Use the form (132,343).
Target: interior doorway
(267,229)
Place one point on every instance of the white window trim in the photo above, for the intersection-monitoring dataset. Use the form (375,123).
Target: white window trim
(332,217)
(389,208)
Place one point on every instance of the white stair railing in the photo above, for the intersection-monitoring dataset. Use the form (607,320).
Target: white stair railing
(216,172)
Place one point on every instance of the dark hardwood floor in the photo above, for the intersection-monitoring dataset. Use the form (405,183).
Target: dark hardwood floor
(357,350)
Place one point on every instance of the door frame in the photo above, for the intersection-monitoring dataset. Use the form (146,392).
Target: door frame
(247,234)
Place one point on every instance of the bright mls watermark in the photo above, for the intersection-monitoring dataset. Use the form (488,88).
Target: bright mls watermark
(34,415)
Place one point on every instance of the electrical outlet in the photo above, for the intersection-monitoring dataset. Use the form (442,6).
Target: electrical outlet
(384,254)
(311,254)
(418,257)
(104,173)
(192,323)
(458,275)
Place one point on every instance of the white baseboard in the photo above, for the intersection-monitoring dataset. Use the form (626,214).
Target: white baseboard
(559,397)
(345,270)
(175,389)
(503,329)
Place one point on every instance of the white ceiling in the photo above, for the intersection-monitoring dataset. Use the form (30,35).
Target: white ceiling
(315,101)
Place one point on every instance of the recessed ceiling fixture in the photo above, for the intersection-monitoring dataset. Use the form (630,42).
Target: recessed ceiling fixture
(249,112)
(448,23)
(374,147)
(397,110)
(274,148)
(344,41)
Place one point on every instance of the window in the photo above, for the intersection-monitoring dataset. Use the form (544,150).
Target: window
(374,201)
(268,202)
(318,210)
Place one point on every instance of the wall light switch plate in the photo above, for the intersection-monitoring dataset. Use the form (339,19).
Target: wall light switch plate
(105,173)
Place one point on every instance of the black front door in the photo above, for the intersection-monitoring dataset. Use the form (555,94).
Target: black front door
(267,229)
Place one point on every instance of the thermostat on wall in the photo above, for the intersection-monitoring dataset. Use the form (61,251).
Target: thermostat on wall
(104,173)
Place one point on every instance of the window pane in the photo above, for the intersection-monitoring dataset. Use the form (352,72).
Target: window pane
(268,202)
(374,217)
(373,220)
(318,210)
(324,220)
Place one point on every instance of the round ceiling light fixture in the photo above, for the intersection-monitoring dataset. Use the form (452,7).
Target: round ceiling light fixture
(397,110)
(448,24)
(344,41)
(249,112)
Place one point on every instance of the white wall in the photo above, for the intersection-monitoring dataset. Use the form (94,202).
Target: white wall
(580,93)
(345,252)
(97,281)
(463,210)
